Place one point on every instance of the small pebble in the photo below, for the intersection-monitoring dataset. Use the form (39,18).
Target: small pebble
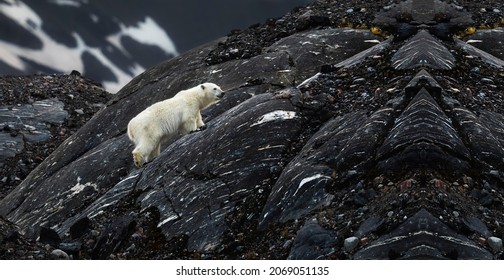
(494,172)
(70,247)
(390,214)
(59,254)
(287,244)
(365,95)
(497,11)
(359,81)
(456,214)
(487,80)
(350,10)
(475,70)
(495,243)
(364,241)
(131,248)
(351,243)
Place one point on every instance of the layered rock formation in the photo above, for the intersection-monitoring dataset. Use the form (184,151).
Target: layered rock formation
(329,143)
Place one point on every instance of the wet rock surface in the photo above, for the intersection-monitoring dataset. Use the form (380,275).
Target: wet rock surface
(330,143)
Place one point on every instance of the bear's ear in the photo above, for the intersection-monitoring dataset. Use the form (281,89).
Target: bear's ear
(203,87)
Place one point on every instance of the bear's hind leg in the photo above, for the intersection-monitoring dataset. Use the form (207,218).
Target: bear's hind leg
(143,152)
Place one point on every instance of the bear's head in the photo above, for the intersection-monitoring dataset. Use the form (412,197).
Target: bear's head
(212,92)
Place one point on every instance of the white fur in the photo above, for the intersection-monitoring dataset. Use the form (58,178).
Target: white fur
(161,121)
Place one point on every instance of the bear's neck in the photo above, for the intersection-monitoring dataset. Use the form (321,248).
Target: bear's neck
(204,103)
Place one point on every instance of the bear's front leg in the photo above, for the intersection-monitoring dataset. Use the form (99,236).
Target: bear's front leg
(199,120)
(188,126)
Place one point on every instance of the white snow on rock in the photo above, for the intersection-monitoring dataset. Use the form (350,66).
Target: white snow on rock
(78,188)
(309,179)
(73,3)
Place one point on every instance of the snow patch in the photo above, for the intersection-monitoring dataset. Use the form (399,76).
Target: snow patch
(372,41)
(474,41)
(275,115)
(146,32)
(73,3)
(309,80)
(170,218)
(309,179)
(78,188)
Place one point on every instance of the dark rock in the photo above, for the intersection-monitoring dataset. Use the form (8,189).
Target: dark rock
(495,243)
(370,225)
(476,225)
(338,44)
(113,237)
(59,254)
(422,236)
(31,121)
(49,236)
(487,41)
(481,135)
(411,138)
(12,236)
(10,145)
(305,22)
(303,182)
(79,227)
(484,56)
(312,242)
(72,249)
(351,243)
(423,50)
(363,55)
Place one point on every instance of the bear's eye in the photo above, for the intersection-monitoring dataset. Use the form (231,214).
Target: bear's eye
(215,89)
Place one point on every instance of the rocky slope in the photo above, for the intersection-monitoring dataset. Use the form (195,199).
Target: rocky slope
(331,143)
(37,114)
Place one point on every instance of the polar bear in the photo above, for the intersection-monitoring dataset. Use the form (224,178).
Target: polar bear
(163,120)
